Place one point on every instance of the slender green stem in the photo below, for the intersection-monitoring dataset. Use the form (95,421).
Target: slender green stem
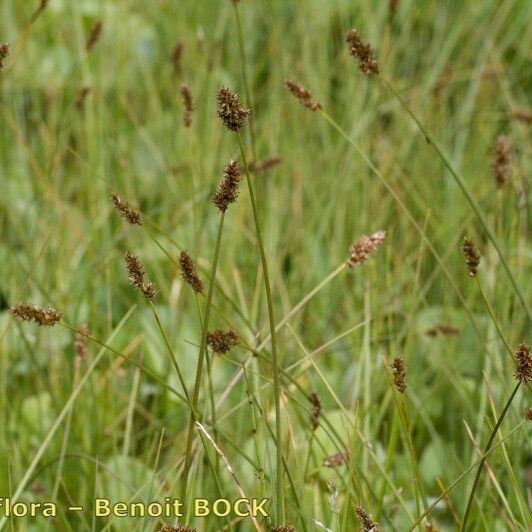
(201,356)
(273,334)
(481,463)
(469,197)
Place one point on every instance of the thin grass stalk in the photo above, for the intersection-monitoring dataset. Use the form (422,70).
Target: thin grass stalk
(273,334)
(483,460)
(459,181)
(201,356)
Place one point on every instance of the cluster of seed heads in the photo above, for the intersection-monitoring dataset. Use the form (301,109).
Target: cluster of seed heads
(471,256)
(227,191)
(362,52)
(189,272)
(315,410)
(42,316)
(368,525)
(222,340)
(523,364)
(129,214)
(136,274)
(230,109)
(500,164)
(399,374)
(361,249)
(303,95)
(188,104)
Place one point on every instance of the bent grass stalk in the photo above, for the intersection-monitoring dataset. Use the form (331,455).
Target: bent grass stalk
(278,434)
(465,191)
(202,354)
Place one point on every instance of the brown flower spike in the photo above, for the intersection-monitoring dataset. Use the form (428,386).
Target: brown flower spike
(42,316)
(360,250)
(221,341)
(303,95)
(189,272)
(136,273)
(125,210)
(230,109)
(4,52)
(80,342)
(362,52)
(500,164)
(471,256)
(365,520)
(227,191)
(315,411)
(94,35)
(523,364)
(265,164)
(188,104)
(176,55)
(399,374)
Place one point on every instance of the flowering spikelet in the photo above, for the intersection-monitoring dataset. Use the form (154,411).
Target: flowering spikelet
(176,528)
(221,341)
(315,412)
(42,316)
(230,109)
(188,104)
(363,52)
(227,190)
(399,373)
(500,163)
(264,164)
(80,342)
(303,95)
(189,272)
(360,250)
(4,52)
(471,256)
(528,414)
(94,35)
(523,364)
(136,273)
(83,92)
(125,210)
(176,55)
(365,520)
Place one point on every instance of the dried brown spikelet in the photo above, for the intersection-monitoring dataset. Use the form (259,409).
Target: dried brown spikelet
(176,528)
(500,163)
(303,95)
(448,330)
(136,273)
(336,459)
(188,104)
(221,340)
(80,342)
(361,249)
(265,164)
(283,528)
(471,256)
(368,525)
(523,364)
(362,52)
(129,214)
(230,109)
(189,272)
(94,35)
(315,411)
(176,55)
(83,92)
(42,316)
(528,414)
(399,374)
(4,52)
(227,191)
(523,115)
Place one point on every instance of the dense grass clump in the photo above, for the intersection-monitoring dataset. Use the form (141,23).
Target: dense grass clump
(326,305)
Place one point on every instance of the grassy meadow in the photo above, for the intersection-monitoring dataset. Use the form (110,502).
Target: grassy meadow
(132,396)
